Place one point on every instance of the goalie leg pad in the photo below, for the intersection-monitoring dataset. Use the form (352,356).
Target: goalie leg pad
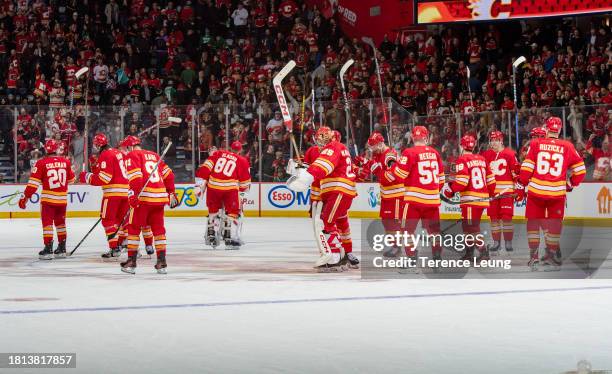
(213,230)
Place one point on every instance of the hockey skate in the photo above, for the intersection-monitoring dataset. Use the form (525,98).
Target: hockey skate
(551,260)
(352,261)
(483,256)
(161,266)
(494,248)
(391,251)
(60,251)
(508,245)
(468,255)
(129,266)
(334,265)
(534,260)
(113,252)
(231,234)
(413,268)
(47,252)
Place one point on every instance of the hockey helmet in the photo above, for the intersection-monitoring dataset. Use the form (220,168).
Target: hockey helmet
(468,142)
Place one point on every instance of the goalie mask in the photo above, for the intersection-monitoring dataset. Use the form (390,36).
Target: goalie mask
(323,136)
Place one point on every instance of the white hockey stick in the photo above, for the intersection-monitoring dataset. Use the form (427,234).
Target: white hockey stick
(277,82)
(347,112)
(148,129)
(370,42)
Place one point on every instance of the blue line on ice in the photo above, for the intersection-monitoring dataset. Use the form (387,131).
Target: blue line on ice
(297,301)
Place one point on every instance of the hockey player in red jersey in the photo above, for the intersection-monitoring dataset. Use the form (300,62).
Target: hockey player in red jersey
(475,184)
(544,173)
(223,175)
(334,170)
(535,133)
(503,164)
(151,184)
(422,173)
(391,187)
(147,234)
(54,173)
(110,173)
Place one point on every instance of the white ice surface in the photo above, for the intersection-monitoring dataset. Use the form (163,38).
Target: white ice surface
(263,310)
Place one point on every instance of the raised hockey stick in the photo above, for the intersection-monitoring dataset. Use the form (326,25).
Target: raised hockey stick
(148,129)
(369,41)
(282,103)
(347,112)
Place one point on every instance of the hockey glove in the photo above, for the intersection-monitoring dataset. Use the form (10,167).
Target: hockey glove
(301,181)
(569,187)
(174,202)
(93,163)
(520,192)
(84,177)
(133,199)
(447,192)
(23,201)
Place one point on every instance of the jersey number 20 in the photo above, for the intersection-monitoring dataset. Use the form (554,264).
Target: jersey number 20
(57,178)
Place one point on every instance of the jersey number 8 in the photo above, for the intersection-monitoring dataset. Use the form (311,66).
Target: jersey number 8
(149,166)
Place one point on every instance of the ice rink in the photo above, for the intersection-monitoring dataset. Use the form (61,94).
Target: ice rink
(264,310)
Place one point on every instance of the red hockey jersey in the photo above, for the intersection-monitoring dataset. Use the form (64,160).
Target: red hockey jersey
(381,165)
(309,157)
(225,170)
(54,173)
(474,180)
(111,174)
(546,166)
(334,170)
(422,172)
(505,168)
(140,165)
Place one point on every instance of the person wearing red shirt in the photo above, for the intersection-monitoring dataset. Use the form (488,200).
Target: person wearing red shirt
(54,173)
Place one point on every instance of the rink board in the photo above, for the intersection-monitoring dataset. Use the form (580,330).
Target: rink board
(590,201)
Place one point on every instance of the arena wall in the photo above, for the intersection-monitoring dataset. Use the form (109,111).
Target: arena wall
(590,201)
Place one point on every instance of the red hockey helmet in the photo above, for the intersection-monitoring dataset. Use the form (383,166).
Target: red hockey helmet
(375,139)
(554,124)
(100,140)
(468,142)
(336,136)
(419,133)
(236,146)
(496,136)
(51,146)
(323,136)
(130,141)
(537,132)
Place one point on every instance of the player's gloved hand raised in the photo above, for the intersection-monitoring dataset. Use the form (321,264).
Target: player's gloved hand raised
(174,202)
(359,161)
(520,192)
(93,163)
(301,181)
(447,191)
(84,177)
(133,199)
(23,201)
